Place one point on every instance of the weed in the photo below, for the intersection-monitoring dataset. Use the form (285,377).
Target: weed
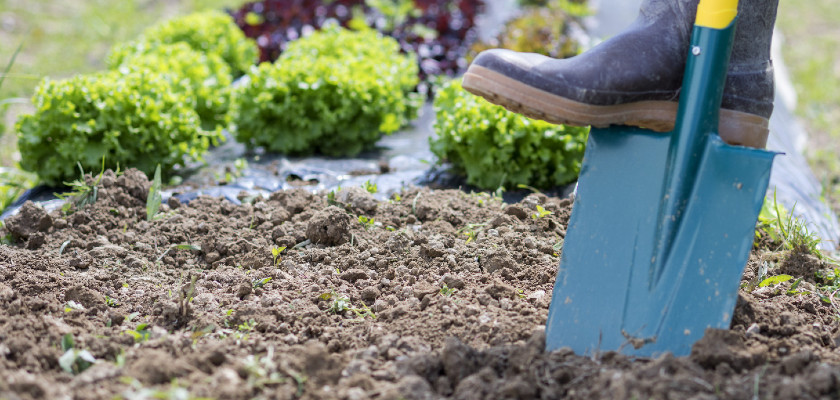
(81,194)
(541,212)
(253,219)
(247,326)
(154,198)
(7,238)
(185,296)
(792,291)
(258,283)
(200,333)
(367,222)
(74,360)
(73,306)
(141,333)
(775,280)
(300,379)
(447,291)
(119,359)
(262,371)
(780,226)
(130,317)
(111,302)
(363,312)
(531,188)
(471,231)
(558,247)
(499,193)
(828,278)
(788,233)
(182,246)
(829,282)
(371,188)
(275,253)
(339,304)
(483,197)
(67,342)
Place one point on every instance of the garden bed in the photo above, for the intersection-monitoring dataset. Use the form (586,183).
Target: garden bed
(433,294)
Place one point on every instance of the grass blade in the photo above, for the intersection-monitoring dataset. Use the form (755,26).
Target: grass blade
(10,64)
(154,199)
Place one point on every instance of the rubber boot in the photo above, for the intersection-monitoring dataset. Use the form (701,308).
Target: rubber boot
(634,78)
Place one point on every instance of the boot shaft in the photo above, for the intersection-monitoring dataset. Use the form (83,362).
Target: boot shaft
(749,85)
(753,35)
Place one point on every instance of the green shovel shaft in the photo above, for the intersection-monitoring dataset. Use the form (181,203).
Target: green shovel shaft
(700,99)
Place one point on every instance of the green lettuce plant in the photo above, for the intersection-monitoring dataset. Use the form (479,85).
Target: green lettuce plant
(210,32)
(132,120)
(335,92)
(495,147)
(204,76)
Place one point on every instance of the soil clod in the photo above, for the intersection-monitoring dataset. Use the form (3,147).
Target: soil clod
(29,220)
(330,226)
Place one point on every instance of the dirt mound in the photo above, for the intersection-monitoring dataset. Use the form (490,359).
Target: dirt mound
(433,294)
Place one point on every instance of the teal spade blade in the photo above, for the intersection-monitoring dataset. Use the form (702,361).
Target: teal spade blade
(662,225)
(607,295)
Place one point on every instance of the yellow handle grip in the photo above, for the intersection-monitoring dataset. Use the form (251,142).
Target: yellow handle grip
(717,14)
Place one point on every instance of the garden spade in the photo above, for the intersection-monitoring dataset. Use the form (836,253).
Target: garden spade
(662,223)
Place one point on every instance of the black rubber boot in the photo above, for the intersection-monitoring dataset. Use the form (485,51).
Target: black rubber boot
(634,78)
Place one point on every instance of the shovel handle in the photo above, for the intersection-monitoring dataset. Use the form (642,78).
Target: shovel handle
(697,117)
(717,14)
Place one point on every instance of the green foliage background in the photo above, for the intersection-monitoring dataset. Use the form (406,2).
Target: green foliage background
(543,27)
(204,77)
(495,147)
(335,92)
(210,32)
(133,120)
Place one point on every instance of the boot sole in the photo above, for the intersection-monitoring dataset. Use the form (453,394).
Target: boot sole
(736,128)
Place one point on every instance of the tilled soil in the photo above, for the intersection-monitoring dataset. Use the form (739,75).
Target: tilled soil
(434,294)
